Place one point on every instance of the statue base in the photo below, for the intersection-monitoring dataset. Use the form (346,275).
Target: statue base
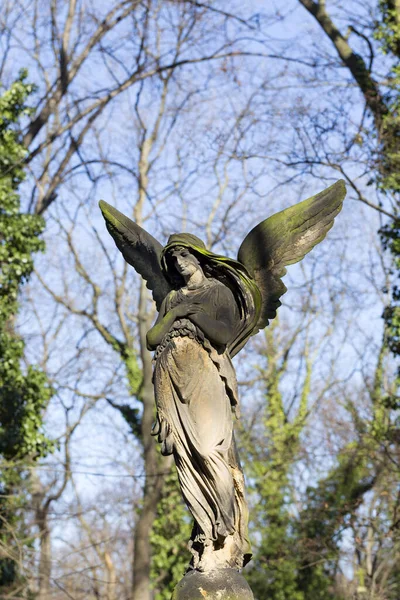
(221,584)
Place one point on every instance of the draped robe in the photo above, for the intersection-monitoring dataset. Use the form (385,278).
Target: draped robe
(196,392)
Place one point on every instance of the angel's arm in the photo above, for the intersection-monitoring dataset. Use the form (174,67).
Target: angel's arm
(164,322)
(160,328)
(218,330)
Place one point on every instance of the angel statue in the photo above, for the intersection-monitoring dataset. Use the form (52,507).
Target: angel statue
(209,306)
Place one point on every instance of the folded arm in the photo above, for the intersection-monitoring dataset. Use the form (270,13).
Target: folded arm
(218,330)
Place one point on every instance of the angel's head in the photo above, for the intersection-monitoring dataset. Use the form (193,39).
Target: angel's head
(184,261)
(191,250)
(182,257)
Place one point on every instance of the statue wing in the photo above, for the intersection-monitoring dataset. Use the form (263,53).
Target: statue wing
(139,249)
(284,239)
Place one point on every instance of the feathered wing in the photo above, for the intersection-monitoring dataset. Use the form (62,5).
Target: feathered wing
(138,248)
(284,239)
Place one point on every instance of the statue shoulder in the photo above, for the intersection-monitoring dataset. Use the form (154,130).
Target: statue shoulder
(170,301)
(224,289)
(223,299)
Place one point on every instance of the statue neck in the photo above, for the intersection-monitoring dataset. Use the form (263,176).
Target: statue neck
(195,280)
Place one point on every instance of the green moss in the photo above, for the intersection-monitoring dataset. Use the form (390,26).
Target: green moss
(24,394)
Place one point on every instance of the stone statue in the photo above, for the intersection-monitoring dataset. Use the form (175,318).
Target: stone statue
(209,305)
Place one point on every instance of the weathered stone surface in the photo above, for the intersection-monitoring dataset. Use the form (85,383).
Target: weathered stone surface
(224,584)
(209,306)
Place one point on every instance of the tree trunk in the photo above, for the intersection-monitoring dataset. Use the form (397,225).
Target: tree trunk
(154,468)
(45,555)
(112,577)
(353,61)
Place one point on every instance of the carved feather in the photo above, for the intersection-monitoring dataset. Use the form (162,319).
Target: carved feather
(140,249)
(284,239)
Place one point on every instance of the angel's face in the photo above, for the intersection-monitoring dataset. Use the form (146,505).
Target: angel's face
(184,262)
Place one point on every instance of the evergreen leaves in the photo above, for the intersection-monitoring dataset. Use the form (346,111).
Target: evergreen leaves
(24,394)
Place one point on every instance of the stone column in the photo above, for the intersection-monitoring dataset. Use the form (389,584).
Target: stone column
(221,584)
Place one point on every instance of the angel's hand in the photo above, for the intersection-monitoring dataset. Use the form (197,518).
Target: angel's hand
(179,311)
(195,309)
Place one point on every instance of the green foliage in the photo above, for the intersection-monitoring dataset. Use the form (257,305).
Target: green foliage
(391,240)
(387,32)
(329,508)
(274,570)
(297,552)
(134,372)
(169,538)
(23,394)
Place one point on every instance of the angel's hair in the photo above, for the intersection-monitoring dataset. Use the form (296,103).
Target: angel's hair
(176,278)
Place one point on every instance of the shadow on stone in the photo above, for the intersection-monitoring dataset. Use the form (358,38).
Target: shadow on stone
(224,584)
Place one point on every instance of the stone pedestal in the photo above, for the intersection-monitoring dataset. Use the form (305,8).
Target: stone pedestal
(223,584)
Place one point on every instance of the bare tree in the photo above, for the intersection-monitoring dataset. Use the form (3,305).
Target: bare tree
(164,111)
(83,57)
